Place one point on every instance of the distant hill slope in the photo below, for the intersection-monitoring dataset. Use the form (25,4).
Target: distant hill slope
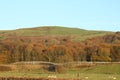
(76,33)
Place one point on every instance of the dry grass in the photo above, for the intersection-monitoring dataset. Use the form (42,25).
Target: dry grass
(26,78)
(7,67)
(21,67)
(28,67)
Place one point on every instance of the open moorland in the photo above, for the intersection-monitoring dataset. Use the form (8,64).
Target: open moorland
(75,33)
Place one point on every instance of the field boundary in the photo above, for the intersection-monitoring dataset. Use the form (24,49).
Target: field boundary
(52,63)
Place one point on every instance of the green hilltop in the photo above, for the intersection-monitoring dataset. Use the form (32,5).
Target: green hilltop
(76,33)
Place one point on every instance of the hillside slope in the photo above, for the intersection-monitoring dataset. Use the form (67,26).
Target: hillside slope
(58,44)
(75,33)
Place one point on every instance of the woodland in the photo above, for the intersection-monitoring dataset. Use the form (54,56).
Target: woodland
(60,49)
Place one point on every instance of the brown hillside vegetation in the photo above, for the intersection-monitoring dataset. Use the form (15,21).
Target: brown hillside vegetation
(14,48)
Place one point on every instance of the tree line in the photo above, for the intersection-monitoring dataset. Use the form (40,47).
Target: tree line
(59,49)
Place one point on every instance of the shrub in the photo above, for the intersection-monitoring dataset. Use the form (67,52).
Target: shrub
(56,68)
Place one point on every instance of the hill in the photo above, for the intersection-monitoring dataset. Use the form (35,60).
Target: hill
(58,44)
(76,33)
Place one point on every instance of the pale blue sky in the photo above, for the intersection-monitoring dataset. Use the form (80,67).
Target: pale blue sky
(86,14)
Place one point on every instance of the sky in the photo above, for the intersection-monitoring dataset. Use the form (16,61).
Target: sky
(85,14)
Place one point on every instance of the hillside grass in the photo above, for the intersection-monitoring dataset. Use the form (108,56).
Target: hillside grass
(76,33)
(51,30)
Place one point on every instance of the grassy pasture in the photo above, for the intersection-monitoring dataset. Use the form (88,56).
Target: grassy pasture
(84,72)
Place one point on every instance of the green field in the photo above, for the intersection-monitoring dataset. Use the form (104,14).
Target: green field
(96,72)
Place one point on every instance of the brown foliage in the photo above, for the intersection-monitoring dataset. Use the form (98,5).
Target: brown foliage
(59,49)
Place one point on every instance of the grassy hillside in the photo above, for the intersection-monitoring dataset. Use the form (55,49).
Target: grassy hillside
(76,33)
